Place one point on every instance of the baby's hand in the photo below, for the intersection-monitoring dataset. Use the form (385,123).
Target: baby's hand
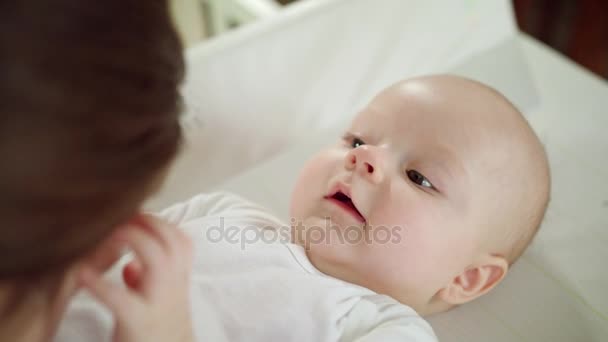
(155,305)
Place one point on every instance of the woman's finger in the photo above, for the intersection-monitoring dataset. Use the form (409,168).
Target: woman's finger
(162,230)
(114,297)
(176,260)
(181,245)
(186,249)
(132,273)
(178,243)
(107,254)
(149,253)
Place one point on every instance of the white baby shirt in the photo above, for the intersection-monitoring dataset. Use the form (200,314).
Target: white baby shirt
(250,284)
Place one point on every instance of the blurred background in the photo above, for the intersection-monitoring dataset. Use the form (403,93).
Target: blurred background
(577,29)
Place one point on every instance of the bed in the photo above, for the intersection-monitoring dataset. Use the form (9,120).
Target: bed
(262,99)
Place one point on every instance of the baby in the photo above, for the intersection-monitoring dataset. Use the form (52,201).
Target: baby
(452,163)
(434,191)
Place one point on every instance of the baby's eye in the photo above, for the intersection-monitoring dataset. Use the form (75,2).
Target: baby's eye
(419,179)
(356,142)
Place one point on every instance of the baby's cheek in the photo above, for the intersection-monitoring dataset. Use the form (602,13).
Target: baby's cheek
(394,267)
(416,250)
(309,186)
(433,258)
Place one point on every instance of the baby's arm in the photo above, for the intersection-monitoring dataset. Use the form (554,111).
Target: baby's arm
(383,319)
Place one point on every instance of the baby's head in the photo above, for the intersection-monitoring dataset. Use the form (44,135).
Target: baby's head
(435,190)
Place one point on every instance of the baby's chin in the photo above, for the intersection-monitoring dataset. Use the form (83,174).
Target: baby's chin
(324,246)
(332,264)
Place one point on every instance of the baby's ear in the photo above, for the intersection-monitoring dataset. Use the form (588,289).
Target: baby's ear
(475,281)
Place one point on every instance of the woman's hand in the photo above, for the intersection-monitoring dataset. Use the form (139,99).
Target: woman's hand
(155,304)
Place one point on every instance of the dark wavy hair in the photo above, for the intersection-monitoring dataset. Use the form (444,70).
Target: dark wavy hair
(89,106)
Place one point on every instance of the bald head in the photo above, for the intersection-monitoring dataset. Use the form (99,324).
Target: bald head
(453,167)
(512,163)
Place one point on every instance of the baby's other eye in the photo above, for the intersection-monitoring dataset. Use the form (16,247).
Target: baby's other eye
(356,142)
(419,179)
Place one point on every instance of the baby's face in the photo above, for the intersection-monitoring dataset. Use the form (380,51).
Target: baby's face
(397,204)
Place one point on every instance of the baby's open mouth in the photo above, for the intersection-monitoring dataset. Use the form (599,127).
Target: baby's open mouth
(345,202)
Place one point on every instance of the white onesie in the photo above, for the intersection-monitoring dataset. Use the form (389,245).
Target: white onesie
(251,284)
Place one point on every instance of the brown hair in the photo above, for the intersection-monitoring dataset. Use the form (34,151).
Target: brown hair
(89,108)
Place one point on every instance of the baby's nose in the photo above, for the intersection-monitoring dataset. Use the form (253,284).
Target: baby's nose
(366,162)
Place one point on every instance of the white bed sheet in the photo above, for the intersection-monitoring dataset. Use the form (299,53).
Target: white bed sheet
(287,85)
(557,290)
(259,90)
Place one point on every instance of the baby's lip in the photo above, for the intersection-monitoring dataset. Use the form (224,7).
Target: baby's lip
(341,195)
(340,187)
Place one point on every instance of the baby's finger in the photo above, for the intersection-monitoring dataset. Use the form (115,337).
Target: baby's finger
(114,297)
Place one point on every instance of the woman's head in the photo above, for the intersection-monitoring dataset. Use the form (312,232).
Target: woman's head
(89,107)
